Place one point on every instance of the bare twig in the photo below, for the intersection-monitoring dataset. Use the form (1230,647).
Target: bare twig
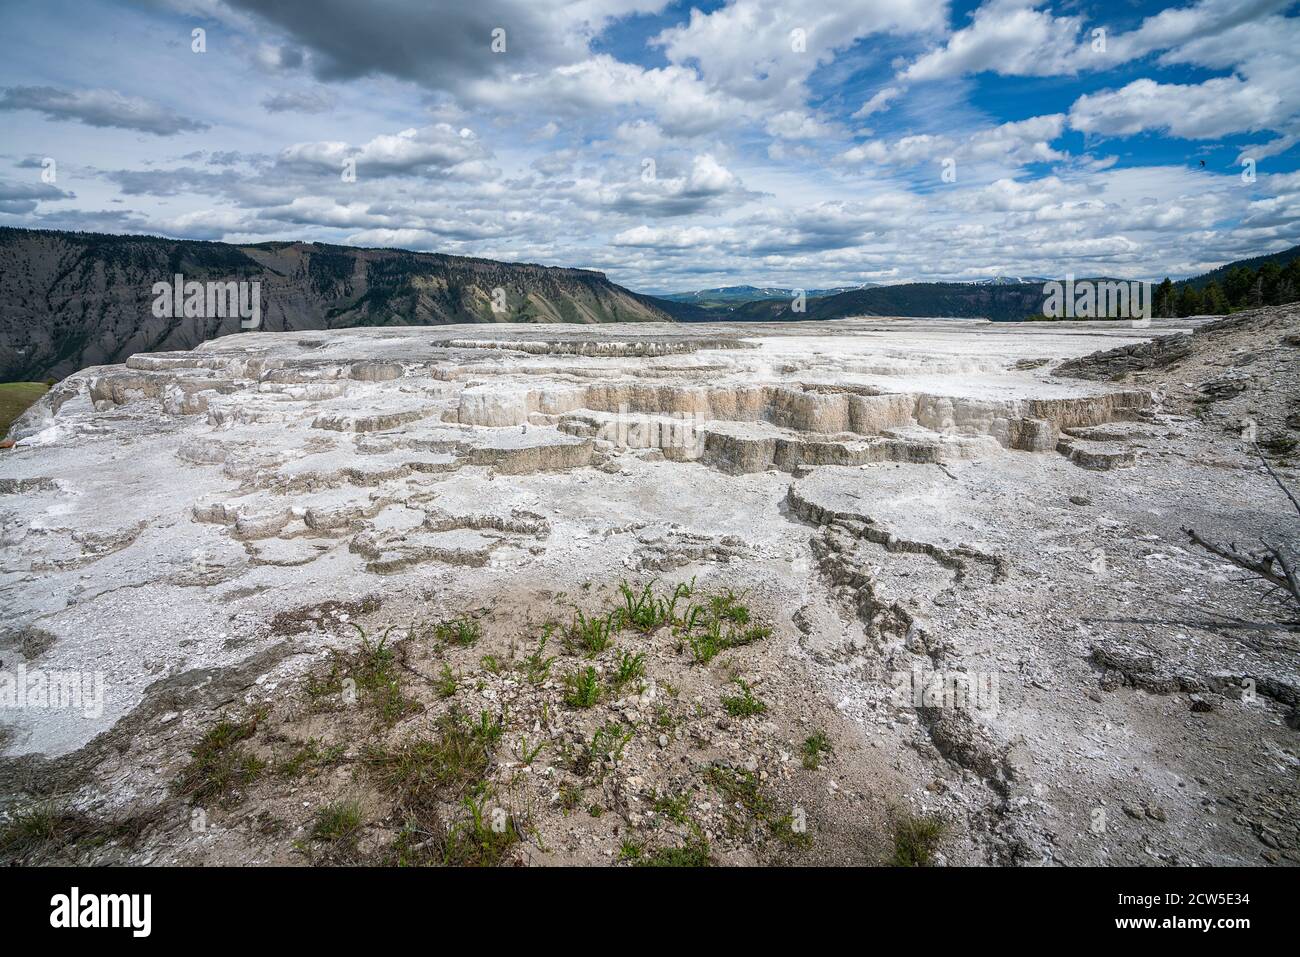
(1260,563)
(1288,570)
(1270,564)
(1277,479)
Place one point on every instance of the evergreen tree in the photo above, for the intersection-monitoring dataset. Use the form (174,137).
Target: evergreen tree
(1255,298)
(1213,301)
(1269,274)
(1164,299)
(1237,284)
(1291,279)
(1189,302)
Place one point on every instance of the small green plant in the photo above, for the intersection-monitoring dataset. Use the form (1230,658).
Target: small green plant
(537,666)
(369,672)
(491,664)
(814,746)
(668,607)
(570,797)
(590,636)
(219,765)
(628,667)
(488,729)
(482,839)
(630,850)
(372,664)
(745,704)
(583,688)
(664,718)
(308,758)
(694,853)
(462,631)
(527,755)
(640,610)
(338,822)
(708,644)
(747,636)
(717,632)
(390,702)
(446,684)
(672,806)
(916,838)
(727,607)
(609,741)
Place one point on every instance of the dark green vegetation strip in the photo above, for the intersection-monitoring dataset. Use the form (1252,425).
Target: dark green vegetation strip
(15,398)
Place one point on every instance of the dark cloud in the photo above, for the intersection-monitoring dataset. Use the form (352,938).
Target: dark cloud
(98,108)
(438,45)
(19,199)
(89,220)
(313,101)
(168,182)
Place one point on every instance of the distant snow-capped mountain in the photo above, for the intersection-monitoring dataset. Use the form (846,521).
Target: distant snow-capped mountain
(1008,280)
(737,294)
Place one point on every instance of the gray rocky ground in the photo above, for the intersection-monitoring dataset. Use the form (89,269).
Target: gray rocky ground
(856,502)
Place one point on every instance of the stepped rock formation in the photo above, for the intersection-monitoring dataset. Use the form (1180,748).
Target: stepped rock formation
(894,497)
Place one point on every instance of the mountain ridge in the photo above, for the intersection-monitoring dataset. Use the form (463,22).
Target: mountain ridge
(70,300)
(74,299)
(1000,298)
(720,295)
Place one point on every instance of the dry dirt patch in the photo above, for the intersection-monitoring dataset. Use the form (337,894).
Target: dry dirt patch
(656,724)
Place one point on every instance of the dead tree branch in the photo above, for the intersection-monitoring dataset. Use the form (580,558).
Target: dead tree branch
(1271,563)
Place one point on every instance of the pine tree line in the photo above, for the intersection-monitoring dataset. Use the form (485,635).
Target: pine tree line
(1243,288)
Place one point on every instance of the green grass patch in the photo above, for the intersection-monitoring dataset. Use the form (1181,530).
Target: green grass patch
(694,853)
(337,823)
(745,704)
(462,631)
(591,636)
(44,831)
(814,746)
(537,664)
(219,765)
(446,683)
(628,668)
(15,399)
(417,773)
(371,673)
(748,805)
(308,758)
(916,838)
(582,687)
(672,806)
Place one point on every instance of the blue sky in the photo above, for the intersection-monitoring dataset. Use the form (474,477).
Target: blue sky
(673,146)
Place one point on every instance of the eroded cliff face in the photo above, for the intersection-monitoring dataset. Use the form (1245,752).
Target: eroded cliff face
(72,300)
(208,528)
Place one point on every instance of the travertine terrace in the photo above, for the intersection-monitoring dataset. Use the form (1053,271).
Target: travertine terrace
(894,495)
